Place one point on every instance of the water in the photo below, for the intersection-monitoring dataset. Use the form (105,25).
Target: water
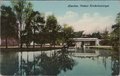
(54,62)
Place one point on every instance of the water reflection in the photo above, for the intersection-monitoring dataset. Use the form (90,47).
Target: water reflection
(59,63)
(115,64)
(8,63)
(47,65)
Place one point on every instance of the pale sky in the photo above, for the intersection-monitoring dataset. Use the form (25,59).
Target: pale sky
(89,19)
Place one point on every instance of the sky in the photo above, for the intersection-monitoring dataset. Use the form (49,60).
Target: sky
(87,19)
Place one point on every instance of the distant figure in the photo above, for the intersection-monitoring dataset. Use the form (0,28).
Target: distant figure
(78,45)
(82,45)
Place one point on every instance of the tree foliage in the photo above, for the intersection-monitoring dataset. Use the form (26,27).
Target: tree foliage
(68,33)
(33,28)
(115,35)
(53,28)
(8,20)
(8,24)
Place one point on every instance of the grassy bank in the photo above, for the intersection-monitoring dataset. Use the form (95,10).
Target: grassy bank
(30,49)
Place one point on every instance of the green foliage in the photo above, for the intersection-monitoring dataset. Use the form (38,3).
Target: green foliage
(32,27)
(34,24)
(78,34)
(105,38)
(96,35)
(53,28)
(19,9)
(68,33)
(8,22)
(33,20)
(115,35)
(70,42)
(51,23)
(118,18)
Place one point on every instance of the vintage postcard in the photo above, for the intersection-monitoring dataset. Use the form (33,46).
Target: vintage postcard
(59,37)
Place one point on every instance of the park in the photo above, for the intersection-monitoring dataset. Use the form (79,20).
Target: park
(33,43)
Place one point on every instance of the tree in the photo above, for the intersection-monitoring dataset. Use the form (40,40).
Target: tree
(67,33)
(34,25)
(51,23)
(26,34)
(115,41)
(53,28)
(118,18)
(96,35)
(38,26)
(78,34)
(19,7)
(8,23)
(105,38)
(115,35)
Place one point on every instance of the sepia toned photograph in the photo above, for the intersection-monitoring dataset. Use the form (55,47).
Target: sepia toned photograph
(59,37)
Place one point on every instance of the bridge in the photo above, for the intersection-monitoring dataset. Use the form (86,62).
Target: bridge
(82,42)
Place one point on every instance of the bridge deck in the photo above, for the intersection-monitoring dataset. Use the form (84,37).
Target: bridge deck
(85,39)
